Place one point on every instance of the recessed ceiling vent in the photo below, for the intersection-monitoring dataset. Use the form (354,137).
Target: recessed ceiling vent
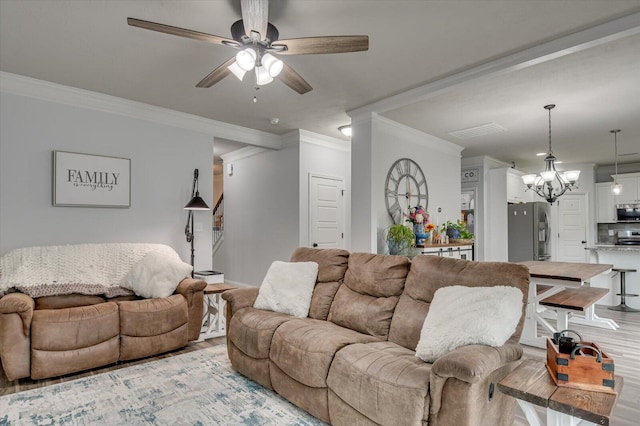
(481,130)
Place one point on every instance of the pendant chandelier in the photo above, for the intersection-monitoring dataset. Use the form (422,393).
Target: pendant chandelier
(551,184)
(616,188)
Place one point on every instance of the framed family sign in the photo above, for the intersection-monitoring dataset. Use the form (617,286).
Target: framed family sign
(85,180)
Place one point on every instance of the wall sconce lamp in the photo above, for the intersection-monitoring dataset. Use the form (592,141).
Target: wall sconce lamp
(196,203)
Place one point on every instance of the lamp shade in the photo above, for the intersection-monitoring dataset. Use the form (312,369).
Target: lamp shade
(262,76)
(196,203)
(529,179)
(246,59)
(237,71)
(572,175)
(272,64)
(616,188)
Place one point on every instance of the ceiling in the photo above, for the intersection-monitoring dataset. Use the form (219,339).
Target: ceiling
(413,45)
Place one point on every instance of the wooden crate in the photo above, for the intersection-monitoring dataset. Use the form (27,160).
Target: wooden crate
(582,372)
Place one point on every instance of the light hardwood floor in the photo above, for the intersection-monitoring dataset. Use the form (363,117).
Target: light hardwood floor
(623,345)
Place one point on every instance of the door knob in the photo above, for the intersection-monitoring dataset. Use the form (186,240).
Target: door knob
(583,242)
(315,244)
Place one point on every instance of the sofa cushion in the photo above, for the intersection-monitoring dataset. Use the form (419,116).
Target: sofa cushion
(152,326)
(152,317)
(156,275)
(372,285)
(74,328)
(383,381)
(251,330)
(460,316)
(304,348)
(287,288)
(429,273)
(68,340)
(332,265)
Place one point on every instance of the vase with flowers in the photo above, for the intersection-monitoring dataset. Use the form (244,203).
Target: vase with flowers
(419,219)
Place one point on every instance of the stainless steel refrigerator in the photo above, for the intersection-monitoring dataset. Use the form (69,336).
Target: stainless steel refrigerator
(529,232)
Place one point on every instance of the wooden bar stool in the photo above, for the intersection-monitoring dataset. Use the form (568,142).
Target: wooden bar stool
(623,292)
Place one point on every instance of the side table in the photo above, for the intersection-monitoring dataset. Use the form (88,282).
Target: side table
(214,323)
(531,385)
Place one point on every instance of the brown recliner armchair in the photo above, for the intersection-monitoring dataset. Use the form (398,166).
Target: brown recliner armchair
(57,335)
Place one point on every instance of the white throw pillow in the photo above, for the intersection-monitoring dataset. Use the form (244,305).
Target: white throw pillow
(288,287)
(460,316)
(156,275)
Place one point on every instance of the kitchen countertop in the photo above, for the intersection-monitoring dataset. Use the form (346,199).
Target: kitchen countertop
(611,247)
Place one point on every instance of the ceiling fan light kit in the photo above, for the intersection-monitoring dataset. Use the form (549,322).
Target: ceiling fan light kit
(258,41)
(551,184)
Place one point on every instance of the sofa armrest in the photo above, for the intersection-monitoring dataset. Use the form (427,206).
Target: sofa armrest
(189,286)
(193,290)
(473,362)
(467,377)
(16,313)
(239,298)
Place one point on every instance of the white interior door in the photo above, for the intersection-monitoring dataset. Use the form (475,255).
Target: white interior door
(572,228)
(326,212)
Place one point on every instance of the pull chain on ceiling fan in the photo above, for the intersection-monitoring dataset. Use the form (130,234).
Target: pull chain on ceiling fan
(259,47)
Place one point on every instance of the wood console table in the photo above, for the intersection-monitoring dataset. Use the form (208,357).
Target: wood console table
(559,277)
(532,385)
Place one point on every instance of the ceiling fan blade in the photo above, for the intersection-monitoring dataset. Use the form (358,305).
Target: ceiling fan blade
(255,16)
(294,80)
(327,44)
(216,75)
(168,29)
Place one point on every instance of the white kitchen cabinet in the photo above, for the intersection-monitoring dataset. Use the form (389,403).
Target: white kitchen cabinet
(605,203)
(630,188)
(516,190)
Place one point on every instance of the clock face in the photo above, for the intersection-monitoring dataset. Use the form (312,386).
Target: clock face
(405,187)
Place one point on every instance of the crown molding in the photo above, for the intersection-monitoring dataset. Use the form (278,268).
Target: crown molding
(52,92)
(242,153)
(312,138)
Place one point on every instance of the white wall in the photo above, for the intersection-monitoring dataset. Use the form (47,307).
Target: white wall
(267,202)
(261,204)
(162,162)
(390,141)
(325,156)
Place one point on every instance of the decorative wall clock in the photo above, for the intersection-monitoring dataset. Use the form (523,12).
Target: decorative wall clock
(405,187)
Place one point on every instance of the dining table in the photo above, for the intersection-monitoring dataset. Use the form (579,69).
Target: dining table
(552,278)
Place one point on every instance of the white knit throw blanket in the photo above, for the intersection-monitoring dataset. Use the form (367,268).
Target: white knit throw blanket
(79,268)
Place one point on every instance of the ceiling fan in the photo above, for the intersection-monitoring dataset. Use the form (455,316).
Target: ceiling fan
(259,46)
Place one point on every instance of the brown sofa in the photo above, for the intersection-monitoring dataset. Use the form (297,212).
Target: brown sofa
(352,361)
(56,335)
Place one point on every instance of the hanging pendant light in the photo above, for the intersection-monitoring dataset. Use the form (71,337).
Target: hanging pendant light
(616,188)
(551,184)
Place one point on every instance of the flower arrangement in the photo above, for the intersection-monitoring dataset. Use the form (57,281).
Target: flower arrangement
(417,214)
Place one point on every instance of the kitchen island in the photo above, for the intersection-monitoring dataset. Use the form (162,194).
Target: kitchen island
(620,257)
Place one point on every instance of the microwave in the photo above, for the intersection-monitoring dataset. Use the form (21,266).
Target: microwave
(628,212)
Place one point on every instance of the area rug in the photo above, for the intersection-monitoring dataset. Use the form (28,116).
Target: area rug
(196,388)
